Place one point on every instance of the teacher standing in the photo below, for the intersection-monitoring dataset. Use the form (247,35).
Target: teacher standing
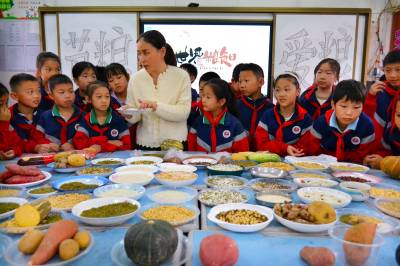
(163,88)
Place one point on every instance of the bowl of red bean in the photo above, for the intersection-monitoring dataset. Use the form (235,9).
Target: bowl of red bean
(356,177)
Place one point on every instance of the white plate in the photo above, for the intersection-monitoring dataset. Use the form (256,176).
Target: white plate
(338,195)
(14,257)
(138,167)
(47,176)
(377,203)
(138,190)
(19,201)
(321,166)
(182,254)
(198,160)
(182,222)
(152,192)
(66,169)
(352,167)
(135,177)
(97,162)
(242,228)
(155,160)
(173,167)
(98,202)
(315,182)
(370,178)
(177,183)
(304,228)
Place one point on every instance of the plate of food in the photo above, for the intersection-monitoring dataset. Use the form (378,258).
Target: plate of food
(353,216)
(348,167)
(8,206)
(79,183)
(246,164)
(95,171)
(225,169)
(264,184)
(173,167)
(312,218)
(17,176)
(270,198)
(120,190)
(225,182)
(277,165)
(65,201)
(167,195)
(200,161)
(11,192)
(241,217)
(315,182)
(138,167)
(266,172)
(388,206)
(334,197)
(309,174)
(356,177)
(306,165)
(174,214)
(68,162)
(385,191)
(105,211)
(176,179)
(132,177)
(212,197)
(41,192)
(149,160)
(36,247)
(108,162)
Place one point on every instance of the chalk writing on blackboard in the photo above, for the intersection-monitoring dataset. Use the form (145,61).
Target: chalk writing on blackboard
(300,49)
(109,46)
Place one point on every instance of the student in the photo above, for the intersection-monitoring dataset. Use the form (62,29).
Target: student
(102,128)
(47,65)
(345,131)
(83,73)
(56,127)
(253,103)
(284,129)
(390,143)
(234,85)
(192,71)
(10,142)
(217,129)
(317,98)
(382,96)
(25,90)
(205,78)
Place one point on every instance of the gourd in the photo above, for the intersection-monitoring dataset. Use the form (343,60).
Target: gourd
(241,156)
(171,144)
(150,242)
(76,160)
(391,166)
(263,157)
(32,214)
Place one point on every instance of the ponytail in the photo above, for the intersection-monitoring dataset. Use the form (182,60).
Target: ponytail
(170,58)
(222,90)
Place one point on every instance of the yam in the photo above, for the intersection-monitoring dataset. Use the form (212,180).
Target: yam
(218,250)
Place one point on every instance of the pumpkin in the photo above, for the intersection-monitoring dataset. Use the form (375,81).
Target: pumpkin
(391,166)
(31,214)
(150,242)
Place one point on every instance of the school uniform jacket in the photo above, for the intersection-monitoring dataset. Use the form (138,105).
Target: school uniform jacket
(308,100)
(351,145)
(225,133)
(194,111)
(53,128)
(87,107)
(90,132)
(24,127)
(250,113)
(46,103)
(275,134)
(9,139)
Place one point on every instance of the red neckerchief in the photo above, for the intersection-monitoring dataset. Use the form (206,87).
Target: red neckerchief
(312,90)
(394,94)
(95,127)
(340,149)
(253,123)
(213,124)
(64,126)
(282,123)
(27,127)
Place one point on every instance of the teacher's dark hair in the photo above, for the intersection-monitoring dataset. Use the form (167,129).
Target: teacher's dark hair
(156,39)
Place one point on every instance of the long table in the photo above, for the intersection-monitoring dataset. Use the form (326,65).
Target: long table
(275,245)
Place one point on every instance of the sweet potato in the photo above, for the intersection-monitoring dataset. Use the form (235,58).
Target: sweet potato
(57,233)
(22,179)
(22,170)
(5,175)
(318,256)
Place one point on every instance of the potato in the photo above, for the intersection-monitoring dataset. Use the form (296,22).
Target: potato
(30,241)
(76,160)
(83,239)
(62,155)
(68,249)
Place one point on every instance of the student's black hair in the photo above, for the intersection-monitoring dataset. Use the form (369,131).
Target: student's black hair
(236,72)
(44,56)
(59,79)
(393,57)
(17,79)
(209,76)
(222,90)
(335,66)
(157,40)
(101,73)
(79,67)
(114,69)
(350,90)
(191,69)
(93,86)
(256,69)
(3,90)
(292,76)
